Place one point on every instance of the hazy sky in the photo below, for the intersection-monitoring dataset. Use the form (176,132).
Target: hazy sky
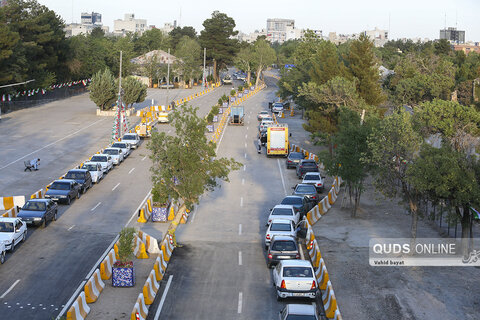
(408,18)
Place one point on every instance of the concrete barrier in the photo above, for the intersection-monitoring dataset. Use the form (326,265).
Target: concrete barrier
(139,248)
(322,277)
(107,264)
(11,213)
(151,243)
(79,309)
(38,195)
(146,210)
(150,288)
(167,247)
(160,267)
(140,310)
(93,287)
(7,203)
(329,301)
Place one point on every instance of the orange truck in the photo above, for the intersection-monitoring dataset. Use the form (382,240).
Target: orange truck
(277,140)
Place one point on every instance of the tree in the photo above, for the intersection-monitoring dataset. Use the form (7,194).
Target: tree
(133,91)
(393,145)
(8,42)
(326,63)
(102,89)
(184,165)
(363,66)
(189,54)
(178,33)
(263,56)
(217,38)
(243,60)
(153,39)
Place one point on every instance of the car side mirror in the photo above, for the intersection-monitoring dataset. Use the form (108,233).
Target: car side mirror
(293,188)
(290,134)
(18,208)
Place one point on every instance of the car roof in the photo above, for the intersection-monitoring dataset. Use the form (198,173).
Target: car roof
(38,200)
(304,185)
(78,170)
(308,160)
(118,142)
(312,173)
(101,154)
(296,153)
(65,180)
(284,221)
(296,263)
(301,309)
(5,219)
(89,162)
(292,196)
(112,148)
(281,237)
(283,206)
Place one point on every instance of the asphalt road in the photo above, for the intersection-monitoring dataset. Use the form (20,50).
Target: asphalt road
(220,272)
(38,279)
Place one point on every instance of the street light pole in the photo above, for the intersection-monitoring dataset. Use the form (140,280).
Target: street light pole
(204,71)
(13,85)
(168,76)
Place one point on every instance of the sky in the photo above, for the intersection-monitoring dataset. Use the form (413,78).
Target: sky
(404,18)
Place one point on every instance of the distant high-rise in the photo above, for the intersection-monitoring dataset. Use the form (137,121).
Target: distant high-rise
(91,18)
(129,24)
(453,35)
(277,29)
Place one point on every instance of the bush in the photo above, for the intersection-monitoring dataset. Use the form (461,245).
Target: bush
(215,109)
(210,117)
(220,101)
(225,98)
(240,88)
(125,246)
(232,92)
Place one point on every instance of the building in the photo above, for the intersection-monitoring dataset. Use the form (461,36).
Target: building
(467,47)
(3,3)
(277,29)
(129,24)
(453,35)
(378,36)
(91,18)
(292,33)
(341,38)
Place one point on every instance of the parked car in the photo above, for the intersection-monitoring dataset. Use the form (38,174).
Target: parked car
(124,146)
(133,139)
(315,179)
(299,312)
(295,278)
(300,203)
(284,211)
(266,122)
(12,232)
(82,176)
(38,211)
(63,190)
(306,165)
(307,190)
(282,248)
(104,160)
(95,169)
(277,107)
(262,115)
(227,79)
(293,159)
(3,251)
(116,154)
(279,227)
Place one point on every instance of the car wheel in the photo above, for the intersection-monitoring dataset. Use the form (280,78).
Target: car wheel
(44,223)
(279,298)
(84,190)
(12,249)
(2,257)
(24,236)
(79,194)
(269,265)
(55,216)
(69,200)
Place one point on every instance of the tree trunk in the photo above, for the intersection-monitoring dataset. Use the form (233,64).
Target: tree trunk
(215,75)
(259,71)
(414,209)
(248,75)
(465,222)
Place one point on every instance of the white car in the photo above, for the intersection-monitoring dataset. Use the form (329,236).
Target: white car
(277,107)
(124,146)
(314,178)
(95,170)
(262,115)
(266,122)
(284,227)
(105,161)
(299,311)
(12,232)
(132,139)
(295,278)
(116,154)
(284,211)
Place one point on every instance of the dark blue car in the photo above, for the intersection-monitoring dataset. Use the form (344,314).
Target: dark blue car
(38,212)
(63,190)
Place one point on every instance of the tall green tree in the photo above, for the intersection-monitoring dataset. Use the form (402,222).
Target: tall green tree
(153,39)
(102,89)
(244,60)
(184,165)
(263,56)
(189,54)
(178,33)
(217,38)
(363,65)
(326,63)
(134,91)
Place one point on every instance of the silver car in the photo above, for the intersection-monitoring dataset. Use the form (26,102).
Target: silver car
(284,211)
(124,146)
(132,139)
(295,278)
(284,227)
(298,311)
(105,161)
(95,170)
(116,154)
(315,179)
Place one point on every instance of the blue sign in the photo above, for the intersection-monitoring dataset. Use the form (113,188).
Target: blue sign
(245,91)
(232,99)
(288,66)
(252,88)
(220,110)
(215,118)
(240,94)
(210,128)
(225,105)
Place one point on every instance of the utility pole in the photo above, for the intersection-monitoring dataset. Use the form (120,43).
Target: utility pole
(168,76)
(120,123)
(204,71)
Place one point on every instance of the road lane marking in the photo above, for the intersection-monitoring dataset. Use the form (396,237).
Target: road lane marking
(96,206)
(164,296)
(247,127)
(281,176)
(246,136)
(240,262)
(245,144)
(245,155)
(10,289)
(51,144)
(131,170)
(244,167)
(241,201)
(240,302)
(243,181)
(71,228)
(116,186)
(240,229)
(144,158)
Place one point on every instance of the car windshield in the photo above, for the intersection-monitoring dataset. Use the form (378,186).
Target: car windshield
(6,227)
(112,152)
(129,137)
(305,189)
(99,159)
(300,317)
(282,212)
(90,167)
(60,186)
(263,112)
(311,177)
(295,155)
(280,227)
(34,206)
(75,175)
(284,245)
(292,200)
(278,105)
(119,145)
(309,164)
(300,272)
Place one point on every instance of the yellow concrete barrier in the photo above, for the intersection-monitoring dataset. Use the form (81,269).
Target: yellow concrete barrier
(7,203)
(140,310)
(93,287)
(79,309)
(151,243)
(107,264)
(160,267)
(139,249)
(150,288)
(167,247)
(38,195)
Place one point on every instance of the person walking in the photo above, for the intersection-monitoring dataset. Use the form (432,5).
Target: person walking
(259,146)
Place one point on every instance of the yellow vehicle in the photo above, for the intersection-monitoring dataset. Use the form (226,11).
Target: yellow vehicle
(143,130)
(277,140)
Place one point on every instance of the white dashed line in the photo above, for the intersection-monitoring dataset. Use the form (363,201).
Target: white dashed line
(247,127)
(96,206)
(281,176)
(10,289)
(71,228)
(245,155)
(144,158)
(245,167)
(246,136)
(243,181)
(240,229)
(245,144)
(241,201)
(240,302)
(116,186)
(240,262)
(131,170)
